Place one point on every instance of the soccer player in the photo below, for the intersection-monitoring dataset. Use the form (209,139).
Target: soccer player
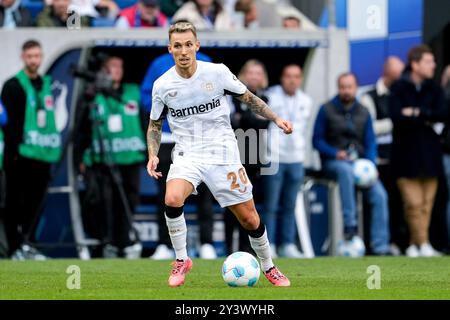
(192,97)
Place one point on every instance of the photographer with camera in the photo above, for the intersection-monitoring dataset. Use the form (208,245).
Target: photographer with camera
(113,157)
(32,144)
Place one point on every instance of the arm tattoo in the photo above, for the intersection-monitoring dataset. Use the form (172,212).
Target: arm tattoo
(154,137)
(257,105)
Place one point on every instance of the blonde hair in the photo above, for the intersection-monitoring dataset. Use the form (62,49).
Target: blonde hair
(181,27)
(252,63)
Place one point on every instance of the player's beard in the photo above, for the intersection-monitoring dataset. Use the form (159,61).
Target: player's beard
(32,68)
(347,99)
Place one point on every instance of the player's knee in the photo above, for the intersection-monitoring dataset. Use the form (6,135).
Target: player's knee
(250,222)
(174,200)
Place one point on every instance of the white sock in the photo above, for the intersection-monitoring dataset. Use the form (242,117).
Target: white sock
(262,248)
(178,234)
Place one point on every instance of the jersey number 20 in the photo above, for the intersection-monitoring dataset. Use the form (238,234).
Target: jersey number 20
(234,180)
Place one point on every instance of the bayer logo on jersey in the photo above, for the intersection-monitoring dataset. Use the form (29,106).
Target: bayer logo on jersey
(365,173)
(241,269)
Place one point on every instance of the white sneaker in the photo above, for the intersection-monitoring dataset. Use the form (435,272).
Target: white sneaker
(394,250)
(412,251)
(163,252)
(426,250)
(134,251)
(18,255)
(290,250)
(110,251)
(31,253)
(207,251)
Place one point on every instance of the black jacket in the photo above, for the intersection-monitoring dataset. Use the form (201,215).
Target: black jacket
(14,99)
(416,150)
(22,17)
(245,119)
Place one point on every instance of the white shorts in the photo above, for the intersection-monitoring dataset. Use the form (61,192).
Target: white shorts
(228,183)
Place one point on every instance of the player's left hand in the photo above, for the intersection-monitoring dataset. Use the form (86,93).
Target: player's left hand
(284,125)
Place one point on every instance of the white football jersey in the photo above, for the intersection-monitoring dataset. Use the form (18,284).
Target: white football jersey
(198,112)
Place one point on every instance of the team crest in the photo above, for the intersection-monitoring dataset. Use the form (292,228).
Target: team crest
(48,102)
(131,108)
(208,86)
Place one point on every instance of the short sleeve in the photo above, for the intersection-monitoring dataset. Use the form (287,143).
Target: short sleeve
(157,105)
(231,84)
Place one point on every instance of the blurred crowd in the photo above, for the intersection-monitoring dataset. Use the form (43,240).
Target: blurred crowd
(124,14)
(392,124)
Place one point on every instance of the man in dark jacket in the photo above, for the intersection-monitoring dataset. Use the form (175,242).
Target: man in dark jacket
(416,102)
(343,132)
(32,145)
(57,14)
(376,101)
(254,75)
(13,15)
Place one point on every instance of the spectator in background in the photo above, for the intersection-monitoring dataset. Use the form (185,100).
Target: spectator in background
(28,100)
(343,132)
(416,102)
(56,15)
(204,198)
(205,15)
(291,18)
(95,8)
(445,82)
(291,22)
(377,102)
(13,15)
(289,102)
(250,11)
(254,75)
(170,7)
(115,145)
(144,14)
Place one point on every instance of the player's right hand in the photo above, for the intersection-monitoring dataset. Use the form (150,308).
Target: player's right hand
(151,168)
(284,125)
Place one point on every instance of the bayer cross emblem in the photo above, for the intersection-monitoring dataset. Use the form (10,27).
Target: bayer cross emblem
(209,86)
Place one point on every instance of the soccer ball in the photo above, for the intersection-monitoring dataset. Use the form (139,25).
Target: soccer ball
(351,248)
(241,269)
(365,173)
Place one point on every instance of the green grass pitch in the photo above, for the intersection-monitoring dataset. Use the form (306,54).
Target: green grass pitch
(320,278)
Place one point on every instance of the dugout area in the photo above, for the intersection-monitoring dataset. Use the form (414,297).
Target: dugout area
(60,230)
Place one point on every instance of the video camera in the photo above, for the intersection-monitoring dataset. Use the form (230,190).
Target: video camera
(99,80)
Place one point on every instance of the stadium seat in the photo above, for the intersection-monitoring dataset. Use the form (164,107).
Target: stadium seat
(335,215)
(125,3)
(103,22)
(35,6)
